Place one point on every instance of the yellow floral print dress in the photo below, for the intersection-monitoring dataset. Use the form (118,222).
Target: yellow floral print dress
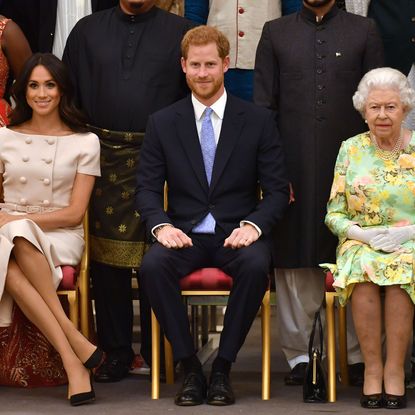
(371,192)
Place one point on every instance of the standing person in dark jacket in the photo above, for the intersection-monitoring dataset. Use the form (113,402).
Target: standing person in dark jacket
(37,18)
(125,62)
(308,65)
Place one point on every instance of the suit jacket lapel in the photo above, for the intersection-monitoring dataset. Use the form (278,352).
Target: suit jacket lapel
(187,132)
(233,122)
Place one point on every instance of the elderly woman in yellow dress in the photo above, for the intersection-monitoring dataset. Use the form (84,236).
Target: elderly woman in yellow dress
(372,211)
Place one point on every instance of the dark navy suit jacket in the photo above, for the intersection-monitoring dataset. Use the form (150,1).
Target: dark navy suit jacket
(249,154)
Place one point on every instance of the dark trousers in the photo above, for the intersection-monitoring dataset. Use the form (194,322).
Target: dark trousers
(162,268)
(114,310)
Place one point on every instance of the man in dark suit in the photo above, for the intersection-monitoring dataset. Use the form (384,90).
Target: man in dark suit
(214,217)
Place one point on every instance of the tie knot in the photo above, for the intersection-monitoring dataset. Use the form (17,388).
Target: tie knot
(208,112)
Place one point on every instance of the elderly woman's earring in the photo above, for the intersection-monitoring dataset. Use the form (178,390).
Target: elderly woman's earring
(366,121)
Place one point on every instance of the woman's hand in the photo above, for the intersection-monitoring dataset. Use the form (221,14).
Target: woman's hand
(393,238)
(365,235)
(6,218)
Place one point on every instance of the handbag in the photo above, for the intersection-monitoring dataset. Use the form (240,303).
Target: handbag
(315,385)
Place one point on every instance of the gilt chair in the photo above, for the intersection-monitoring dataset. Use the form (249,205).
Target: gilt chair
(331,340)
(207,282)
(75,287)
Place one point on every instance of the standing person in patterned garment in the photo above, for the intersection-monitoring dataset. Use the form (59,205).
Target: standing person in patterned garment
(125,62)
(241,22)
(308,65)
(14,50)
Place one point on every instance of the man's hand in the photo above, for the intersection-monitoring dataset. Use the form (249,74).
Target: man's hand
(172,237)
(292,196)
(240,237)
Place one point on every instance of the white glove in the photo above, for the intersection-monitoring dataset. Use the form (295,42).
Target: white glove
(392,239)
(364,235)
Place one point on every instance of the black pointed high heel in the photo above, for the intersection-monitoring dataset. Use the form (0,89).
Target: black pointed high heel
(95,359)
(82,398)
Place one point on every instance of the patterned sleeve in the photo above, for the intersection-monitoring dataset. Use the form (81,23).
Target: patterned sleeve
(1,151)
(337,218)
(89,158)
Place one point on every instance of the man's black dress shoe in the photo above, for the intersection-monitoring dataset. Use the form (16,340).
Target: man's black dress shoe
(374,401)
(193,390)
(356,374)
(394,401)
(220,391)
(111,371)
(296,376)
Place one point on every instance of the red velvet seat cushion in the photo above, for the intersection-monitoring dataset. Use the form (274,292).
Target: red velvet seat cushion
(70,274)
(206,279)
(329,282)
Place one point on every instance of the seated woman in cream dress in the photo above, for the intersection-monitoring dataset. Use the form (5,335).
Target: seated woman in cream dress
(48,164)
(371,210)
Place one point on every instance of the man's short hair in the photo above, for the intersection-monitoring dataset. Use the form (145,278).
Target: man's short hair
(203,35)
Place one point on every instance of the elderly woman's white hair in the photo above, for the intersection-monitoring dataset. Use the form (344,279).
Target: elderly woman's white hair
(384,78)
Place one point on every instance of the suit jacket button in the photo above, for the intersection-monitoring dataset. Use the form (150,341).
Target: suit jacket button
(211,206)
(193,222)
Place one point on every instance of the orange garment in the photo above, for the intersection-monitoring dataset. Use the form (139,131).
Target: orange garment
(4,74)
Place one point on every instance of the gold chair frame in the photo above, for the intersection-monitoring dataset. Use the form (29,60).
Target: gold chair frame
(78,299)
(331,345)
(155,341)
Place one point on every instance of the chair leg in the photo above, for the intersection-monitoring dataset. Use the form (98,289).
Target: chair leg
(344,372)
(266,345)
(155,357)
(84,305)
(205,325)
(168,361)
(331,346)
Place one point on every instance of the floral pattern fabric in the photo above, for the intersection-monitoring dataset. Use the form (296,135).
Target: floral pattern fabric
(371,192)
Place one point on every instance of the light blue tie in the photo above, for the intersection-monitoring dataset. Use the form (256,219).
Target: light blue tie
(208,145)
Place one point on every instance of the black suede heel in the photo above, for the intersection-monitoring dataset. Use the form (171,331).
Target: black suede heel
(374,401)
(95,359)
(395,401)
(82,398)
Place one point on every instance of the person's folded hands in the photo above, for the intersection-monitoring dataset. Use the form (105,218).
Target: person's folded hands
(393,238)
(364,235)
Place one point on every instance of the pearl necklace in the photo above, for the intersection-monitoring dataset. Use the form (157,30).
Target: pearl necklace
(387,155)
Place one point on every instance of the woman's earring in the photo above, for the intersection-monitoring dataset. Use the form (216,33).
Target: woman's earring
(366,121)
